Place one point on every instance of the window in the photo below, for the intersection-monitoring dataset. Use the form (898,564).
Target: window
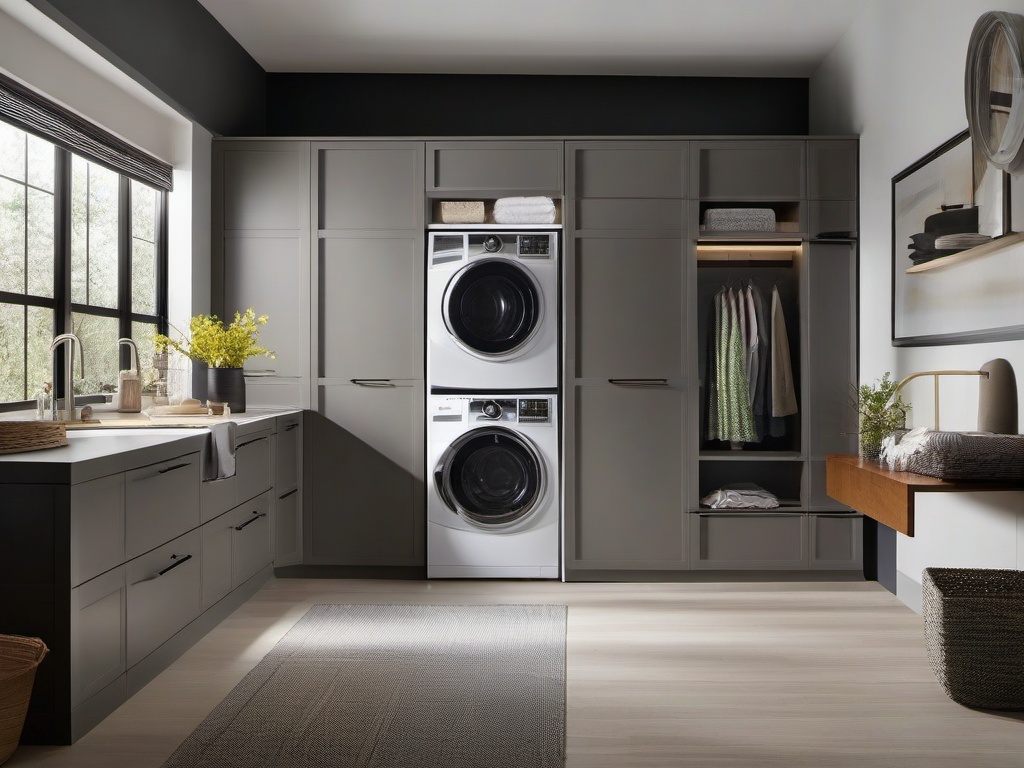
(81,250)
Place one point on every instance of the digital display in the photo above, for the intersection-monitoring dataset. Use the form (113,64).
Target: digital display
(534,245)
(534,410)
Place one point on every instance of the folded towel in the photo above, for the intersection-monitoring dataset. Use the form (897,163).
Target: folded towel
(741,496)
(220,458)
(518,217)
(509,203)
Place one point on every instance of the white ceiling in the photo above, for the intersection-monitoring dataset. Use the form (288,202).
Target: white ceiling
(734,38)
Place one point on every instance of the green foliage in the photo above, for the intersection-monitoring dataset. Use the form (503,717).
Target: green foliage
(219,346)
(879,417)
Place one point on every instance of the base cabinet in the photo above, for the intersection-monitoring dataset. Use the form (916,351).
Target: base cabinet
(98,635)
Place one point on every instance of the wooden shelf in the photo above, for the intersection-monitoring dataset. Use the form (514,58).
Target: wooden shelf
(886,496)
(976,252)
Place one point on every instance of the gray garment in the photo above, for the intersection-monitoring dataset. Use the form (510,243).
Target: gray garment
(762,391)
(711,367)
(753,341)
(735,418)
(783,387)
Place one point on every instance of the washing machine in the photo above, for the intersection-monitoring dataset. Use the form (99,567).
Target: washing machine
(492,486)
(492,310)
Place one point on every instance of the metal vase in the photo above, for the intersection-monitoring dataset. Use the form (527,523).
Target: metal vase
(226,385)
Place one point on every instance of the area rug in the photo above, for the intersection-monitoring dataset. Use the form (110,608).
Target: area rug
(397,686)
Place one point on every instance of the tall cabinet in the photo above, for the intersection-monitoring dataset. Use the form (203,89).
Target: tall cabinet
(625,380)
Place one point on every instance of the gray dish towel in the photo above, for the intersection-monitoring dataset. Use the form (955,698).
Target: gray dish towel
(220,458)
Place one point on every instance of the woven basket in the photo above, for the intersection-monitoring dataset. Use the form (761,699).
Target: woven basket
(19,436)
(19,657)
(966,456)
(974,633)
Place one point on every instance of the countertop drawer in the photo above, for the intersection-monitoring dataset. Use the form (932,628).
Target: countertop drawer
(250,539)
(161,502)
(252,467)
(164,593)
(97,527)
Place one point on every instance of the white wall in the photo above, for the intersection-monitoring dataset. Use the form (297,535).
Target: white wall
(897,79)
(39,53)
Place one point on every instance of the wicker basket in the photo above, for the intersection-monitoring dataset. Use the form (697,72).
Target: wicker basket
(974,633)
(19,657)
(19,436)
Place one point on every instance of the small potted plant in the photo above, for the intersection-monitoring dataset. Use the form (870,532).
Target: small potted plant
(879,415)
(224,350)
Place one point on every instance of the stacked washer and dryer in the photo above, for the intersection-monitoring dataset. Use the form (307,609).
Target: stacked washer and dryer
(493,508)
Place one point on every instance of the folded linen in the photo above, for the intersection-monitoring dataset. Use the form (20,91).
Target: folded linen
(517,217)
(220,456)
(509,203)
(741,496)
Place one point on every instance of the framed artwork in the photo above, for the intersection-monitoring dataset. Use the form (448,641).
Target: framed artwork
(954,281)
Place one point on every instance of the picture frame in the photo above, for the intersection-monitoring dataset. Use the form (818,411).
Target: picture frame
(953,279)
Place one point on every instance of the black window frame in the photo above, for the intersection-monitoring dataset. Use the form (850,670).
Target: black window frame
(61,303)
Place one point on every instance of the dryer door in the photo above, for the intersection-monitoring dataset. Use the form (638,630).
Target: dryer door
(493,307)
(492,476)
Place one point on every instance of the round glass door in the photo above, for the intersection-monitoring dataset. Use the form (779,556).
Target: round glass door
(493,307)
(493,476)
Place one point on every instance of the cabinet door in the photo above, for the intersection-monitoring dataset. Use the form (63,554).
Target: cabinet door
(288,528)
(371,299)
(836,542)
(265,185)
(640,169)
(164,594)
(161,502)
(832,171)
(629,487)
(748,170)
(371,186)
(749,540)
(216,543)
(252,467)
(629,298)
(495,167)
(98,654)
(250,539)
(289,447)
(832,339)
(367,476)
(97,527)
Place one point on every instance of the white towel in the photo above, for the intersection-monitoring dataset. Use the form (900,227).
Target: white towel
(524,210)
(518,217)
(220,458)
(509,203)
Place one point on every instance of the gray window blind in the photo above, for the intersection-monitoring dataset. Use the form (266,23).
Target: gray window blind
(31,112)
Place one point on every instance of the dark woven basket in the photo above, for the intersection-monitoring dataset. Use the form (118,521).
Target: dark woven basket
(963,456)
(974,633)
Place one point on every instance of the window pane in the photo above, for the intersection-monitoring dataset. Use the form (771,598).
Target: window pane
(144,201)
(94,218)
(142,334)
(12,236)
(40,243)
(12,352)
(12,152)
(99,341)
(41,154)
(40,334)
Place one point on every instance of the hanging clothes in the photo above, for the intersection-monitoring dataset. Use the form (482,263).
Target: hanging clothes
(711,368)
(783,387)
(733,416)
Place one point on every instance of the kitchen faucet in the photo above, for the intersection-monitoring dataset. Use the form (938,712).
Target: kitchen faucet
(68,411)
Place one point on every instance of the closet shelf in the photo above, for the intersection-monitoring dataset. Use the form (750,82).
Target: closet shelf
(740,237)
(751,456)
(977,251)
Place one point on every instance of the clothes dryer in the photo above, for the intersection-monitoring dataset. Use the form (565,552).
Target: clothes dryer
(492,486)
(492,310)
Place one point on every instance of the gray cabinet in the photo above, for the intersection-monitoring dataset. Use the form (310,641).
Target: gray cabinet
(370,185)
(250,539)
(832,183)
(495,168)
(97,527)
(836,541)
(753,540)
(161,501)
(642,169)
(98,655)
(628,489)
(260,258)
(755,170)
(288,491)
(252,465)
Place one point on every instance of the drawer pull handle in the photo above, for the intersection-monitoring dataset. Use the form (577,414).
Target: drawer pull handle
(285,496)
(639,382)
(177,561)
(249,442)
(165,470)
(373,382)
(251,520)
(290,427)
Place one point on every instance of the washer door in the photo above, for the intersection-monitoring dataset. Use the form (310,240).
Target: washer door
(493,307)
(492,476)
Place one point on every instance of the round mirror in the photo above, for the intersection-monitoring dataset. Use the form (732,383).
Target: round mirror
(994,88)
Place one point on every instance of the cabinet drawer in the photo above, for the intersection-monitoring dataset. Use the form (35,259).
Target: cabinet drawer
(836,542)
(164,593)
(252,467)
(161,502)
(216,537)
(513,167)
(250,539)
(289,438)
(98,655)
(97,527)
(749,540)
(288,529)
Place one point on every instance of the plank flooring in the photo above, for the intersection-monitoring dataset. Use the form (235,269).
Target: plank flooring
(658,676)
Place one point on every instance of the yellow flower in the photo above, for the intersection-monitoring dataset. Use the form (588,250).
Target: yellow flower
(217,346)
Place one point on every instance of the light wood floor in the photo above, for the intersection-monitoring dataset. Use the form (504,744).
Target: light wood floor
(659,676)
